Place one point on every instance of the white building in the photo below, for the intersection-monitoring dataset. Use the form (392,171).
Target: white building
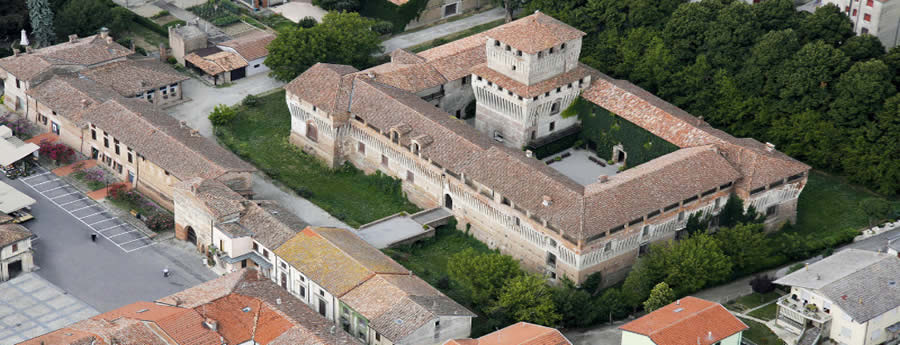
(15,251)
(252,48)
(880,18)
(852,297)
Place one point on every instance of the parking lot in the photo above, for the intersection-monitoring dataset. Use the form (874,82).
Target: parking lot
(87,211)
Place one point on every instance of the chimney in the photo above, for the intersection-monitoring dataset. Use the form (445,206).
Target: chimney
(29,50)
(547,200)
(603,178)
(211,324)
(109,40)
(85,103)
(183,124)
(529,154)
(73,38)
(678,302)
(709,336)
(16,51)
(371,74)
(770,147)
(278,301)
(104,32)
(195,133)
(807,266)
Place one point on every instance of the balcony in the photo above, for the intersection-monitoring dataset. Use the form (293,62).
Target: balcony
(797,312)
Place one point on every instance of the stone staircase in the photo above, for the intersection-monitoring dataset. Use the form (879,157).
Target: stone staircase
(810,336)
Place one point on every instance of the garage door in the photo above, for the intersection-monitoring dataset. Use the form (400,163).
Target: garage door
(238,73)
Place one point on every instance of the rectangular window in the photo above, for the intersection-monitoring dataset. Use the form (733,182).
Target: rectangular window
(771,210)
(854,12)
(465,80)
(18,84)
(870,3)
(94,134)
(865,30)
(410,177)
(361,148)
(255,247)
(707,193)
(106,142)
(552,126)
(384,160)
(129,158)
(265,253)
(302,291)
(867,17)
(15,247)
(680,216)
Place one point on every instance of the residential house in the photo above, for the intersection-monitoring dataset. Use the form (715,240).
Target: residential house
(401,118)
(689,320)
(16,255)
(239,308)
(522,333)
(217,66)
(880,18)
(22,71)
(252,48)
(147,79)
(438,10)
(852,297)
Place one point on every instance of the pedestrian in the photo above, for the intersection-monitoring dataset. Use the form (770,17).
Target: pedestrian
(94,237)
(166,272)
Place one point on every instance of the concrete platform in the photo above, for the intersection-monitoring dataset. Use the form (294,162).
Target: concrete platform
(296,10)
(393,230)
(578,166)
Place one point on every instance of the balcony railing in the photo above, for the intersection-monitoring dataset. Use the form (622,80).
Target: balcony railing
(796,311)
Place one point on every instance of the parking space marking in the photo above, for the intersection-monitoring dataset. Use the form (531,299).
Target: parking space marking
(144,240)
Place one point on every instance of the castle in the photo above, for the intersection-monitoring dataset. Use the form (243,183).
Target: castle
(403,118)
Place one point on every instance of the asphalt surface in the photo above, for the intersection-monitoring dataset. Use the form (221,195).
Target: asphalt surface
(109,273)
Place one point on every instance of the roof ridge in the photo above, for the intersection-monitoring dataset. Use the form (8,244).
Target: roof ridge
(687,316)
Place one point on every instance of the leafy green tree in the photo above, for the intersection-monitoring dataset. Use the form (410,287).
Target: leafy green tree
(695,263)
(13,18)
(611,305)
(875,208)
(86,17)
(684,32)
(510,6)
(762,66)
(797,133)
(776,15)
(863,47)
(341,38)
(574,305)
(222,115)
(338,5)
(41,22)
(482,275)
(644,275)
(827,23)
(693,87)
(660,296)
(892,60)
(726,38)
(528,298)
(860,93)
(733,213)
(804,83)
(746,245)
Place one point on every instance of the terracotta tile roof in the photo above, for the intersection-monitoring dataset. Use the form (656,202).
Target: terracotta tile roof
(655,184)
(689,321)
(758,165)
(251,46)
(410,77)
(208,291)
(270,224)
(217,63)
(535,33)
(83,52)
(397,305)
(336,259)
(12,233)
(132,77)
(535,89)
(220,200)
(163,140)
(405,57)
(521,333)
(323,86)
(66,336)
(258,323)
(65,94)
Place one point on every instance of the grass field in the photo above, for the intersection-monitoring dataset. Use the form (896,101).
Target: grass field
(754,300)
(260,135)
(765,313)
(829,203)
(760,334)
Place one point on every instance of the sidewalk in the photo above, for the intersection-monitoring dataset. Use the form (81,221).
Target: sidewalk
(418,37)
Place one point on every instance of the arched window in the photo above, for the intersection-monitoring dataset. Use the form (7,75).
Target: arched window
(311,132)
(554,108)
(415,148)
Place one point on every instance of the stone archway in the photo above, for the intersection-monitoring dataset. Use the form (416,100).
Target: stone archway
(448,201)
(191,235)
(619,154)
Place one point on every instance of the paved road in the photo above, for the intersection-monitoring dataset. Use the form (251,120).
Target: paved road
(609,335)
(195,113)
(31,306)
(418,37)
(101,273)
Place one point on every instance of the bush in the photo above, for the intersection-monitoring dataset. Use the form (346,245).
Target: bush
(225,20)
(117,191)
(762,284)
(160,14)
(160,222)
(383,27)
(338,5)
(307,22)
(58,153)
(250,101)
(171,60)
(222,115)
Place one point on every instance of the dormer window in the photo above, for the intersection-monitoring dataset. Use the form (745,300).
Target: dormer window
(551,50)
(508,48)
(562,46)
(519,52)
(497,43)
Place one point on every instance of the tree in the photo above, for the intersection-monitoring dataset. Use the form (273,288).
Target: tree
(528,298)
(828,24)
(733,213)
(660,296)
(86,17)
(574,305)
(13,18)
(776,14)
(41,15)
(806,78)
(222,115)
(694,263)
(863,47)
(860,93)
(684,32)
(342,38)
(338,5)
(510,6)
(725,39)
(611,305)
(482,275)
(875,209)
(892,60)
(746,246)
(762,284)
(695,224)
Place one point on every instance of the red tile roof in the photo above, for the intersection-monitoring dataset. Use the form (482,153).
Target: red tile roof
(251,46)
(522,333)
(688,321)
(535,33)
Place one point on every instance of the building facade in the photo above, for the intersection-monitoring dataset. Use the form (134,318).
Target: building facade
(437,10)
(16,255)
(386,119)
(851,297)
(880,18)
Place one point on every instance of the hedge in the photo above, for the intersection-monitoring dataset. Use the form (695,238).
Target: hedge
(398,15)
(555,146)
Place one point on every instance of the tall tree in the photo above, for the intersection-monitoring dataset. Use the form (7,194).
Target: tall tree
(660,296)
(863,47)
(41,23)
(746,245)
(510,6)
(528,298)
(776,14)
(726,39)
(484,275)
(695,263)
(684,32)
(827,23)
(808,76)
(574,305)
(860,93)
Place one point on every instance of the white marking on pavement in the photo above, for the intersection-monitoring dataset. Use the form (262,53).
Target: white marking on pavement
(90,215)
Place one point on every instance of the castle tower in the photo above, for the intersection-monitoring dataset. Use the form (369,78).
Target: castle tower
(531,75)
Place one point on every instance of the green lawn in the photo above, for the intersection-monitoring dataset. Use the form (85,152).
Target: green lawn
(754,300)
(260,135)
(760,334)
(766,313)
(452,37)
(829,203)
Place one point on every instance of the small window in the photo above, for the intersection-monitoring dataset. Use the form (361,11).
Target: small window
(513,67)
(540,55)
(519,52)
(479,78)
(867,17)
(854,12)
(303,291)
(265,253)
(562,46)
(15,247)
(680,216)
(167,172)
(361,148)
(255,247)
(551,50)
(559,89)
(283,265)
(771,210)
(554,108)
(497,43)
(865,30)
(106,142)
(384,160)
(94,134)
(410,177)
(314,108)
(552,126)
(130,160)
(377,336)
(870,3)
(508,48)
(465,80)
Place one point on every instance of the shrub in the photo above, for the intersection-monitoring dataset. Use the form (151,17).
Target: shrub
(222,115)
(160,222)
(338,5)
(307,22)
(160,14)
(383,27)
(250,101)
(225,20)
(117,191)
(59,153)
(171,60)
(762,284)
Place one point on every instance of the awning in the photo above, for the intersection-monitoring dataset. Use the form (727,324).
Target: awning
(893,328)
(13,149)
(12,200)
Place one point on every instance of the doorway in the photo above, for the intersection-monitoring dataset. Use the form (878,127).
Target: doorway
(323,307)
(15,268)
(95,153)
(191,235)
(448,201)
(284,280)
(54,127)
